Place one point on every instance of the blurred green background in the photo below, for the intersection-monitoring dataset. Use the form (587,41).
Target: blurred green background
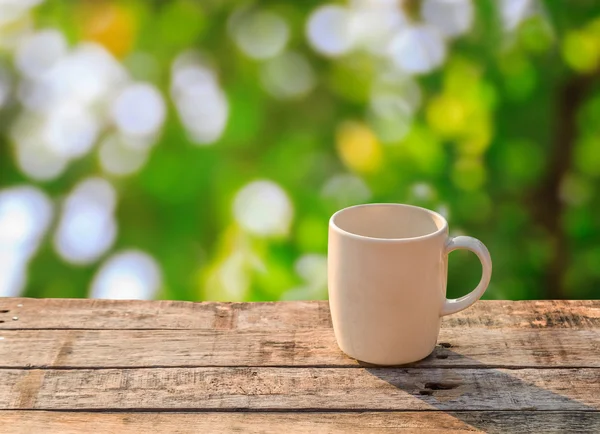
(195,149)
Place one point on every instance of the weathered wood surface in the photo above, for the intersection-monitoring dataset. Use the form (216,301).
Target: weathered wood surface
(114,366)
(470,347)
(238,389)
(121,315)
(526,422)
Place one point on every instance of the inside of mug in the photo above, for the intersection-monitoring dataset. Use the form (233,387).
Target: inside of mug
(388,221)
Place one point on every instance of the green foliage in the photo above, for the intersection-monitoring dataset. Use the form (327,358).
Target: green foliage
(478,139)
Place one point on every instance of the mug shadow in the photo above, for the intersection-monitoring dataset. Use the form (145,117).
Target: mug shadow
(505,400)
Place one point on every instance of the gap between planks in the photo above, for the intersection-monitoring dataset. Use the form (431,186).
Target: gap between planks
(159,315)
(358,366)
(25,422)
(274,411)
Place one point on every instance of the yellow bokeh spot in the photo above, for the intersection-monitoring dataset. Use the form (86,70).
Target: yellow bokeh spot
(581,50)
(593,28)
(468,174)
(111,25)
(462,111)
(460,75)
(447,115)
(477,138)
(358,147)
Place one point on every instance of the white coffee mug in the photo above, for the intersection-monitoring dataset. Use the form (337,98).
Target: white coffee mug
(387,273)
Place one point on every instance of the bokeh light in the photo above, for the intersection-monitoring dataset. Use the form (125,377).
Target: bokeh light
(112,25)
(418,49)
(444,211)
(88,74)
(87,226)
(70,130)
(581,50)
(345,190)
(513,12)
(288,76)
(201,103)
(448,115)
(12,273)
(395,98)
(66,94)
(373,23)
(138,110)
(263,208)
(127,275)
(25,215)
(487,113)
(451,17)
(395,83)
(12,10)
(312,269)
(358,147)
(39,52)
(33,157)
(391,117)
(260,34)
(233,279)
(422,191)
(118,157)
(329,30)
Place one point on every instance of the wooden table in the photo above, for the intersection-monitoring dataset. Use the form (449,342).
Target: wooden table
(135,366)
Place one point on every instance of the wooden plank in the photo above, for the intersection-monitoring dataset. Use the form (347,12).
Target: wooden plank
(469,347)
(306,389)
(27,422)
(117,314)
(139,314)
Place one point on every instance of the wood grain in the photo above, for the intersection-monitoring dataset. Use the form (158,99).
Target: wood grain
(472,347)
(116,314)
(527,422)
(305,389)
(113,366)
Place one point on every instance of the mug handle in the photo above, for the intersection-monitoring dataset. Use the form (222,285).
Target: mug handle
(474,245)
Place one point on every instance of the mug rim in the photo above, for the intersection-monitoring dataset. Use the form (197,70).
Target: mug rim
(344,232)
